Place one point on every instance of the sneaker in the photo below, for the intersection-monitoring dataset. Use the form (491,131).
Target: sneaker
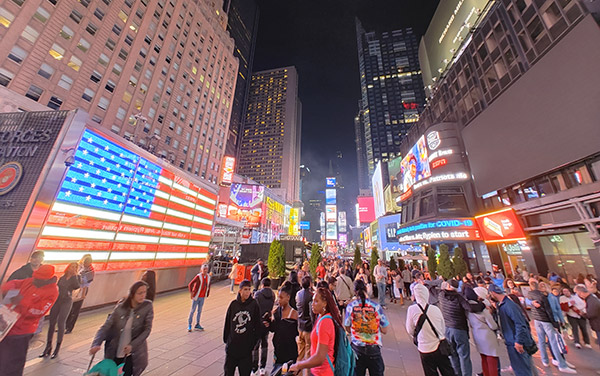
(567,370)
(545,364)
(578,345)
(189,328)
(555,362)
(588,346)
(262,372)
(198,327)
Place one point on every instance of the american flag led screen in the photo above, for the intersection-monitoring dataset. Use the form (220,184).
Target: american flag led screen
(126,211)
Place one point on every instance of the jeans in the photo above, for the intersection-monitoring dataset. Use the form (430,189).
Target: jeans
(543,330)
(58,315)
(263,345)
(369,358)
(577,324)
(522,364)
(198,303)
(244,365)
(73,315)
(13,354)
(461,358)
(232,284)
(381,293)
(434,361)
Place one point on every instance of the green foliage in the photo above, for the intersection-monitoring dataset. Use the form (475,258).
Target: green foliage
(315,259)
(432,262)
(393,265)
(415,263)
(401,264)
(374,258)
(357,257)
(276,261)
(445,267)
(458,260)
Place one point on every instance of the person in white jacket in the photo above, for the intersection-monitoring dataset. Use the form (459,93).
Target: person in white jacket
(432,360)
(483,327)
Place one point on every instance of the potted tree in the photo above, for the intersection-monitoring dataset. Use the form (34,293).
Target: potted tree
(315,259)
(445,267)
(458,260)
(276,263)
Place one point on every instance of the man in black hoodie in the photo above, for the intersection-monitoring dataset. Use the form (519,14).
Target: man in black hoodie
(265,299)
(454,309)
(241,331)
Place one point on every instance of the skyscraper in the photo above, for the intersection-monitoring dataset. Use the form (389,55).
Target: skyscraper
(242,24)
(160,73)
(361,156)
(391,88)
(270,147)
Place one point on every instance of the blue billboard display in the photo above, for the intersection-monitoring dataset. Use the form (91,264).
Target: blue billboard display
(330,182)
(304,225)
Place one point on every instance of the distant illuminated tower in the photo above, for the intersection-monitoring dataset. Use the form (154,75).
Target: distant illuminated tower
(270,148)
(391,88)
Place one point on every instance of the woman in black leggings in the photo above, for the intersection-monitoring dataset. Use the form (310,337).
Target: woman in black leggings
(60,310)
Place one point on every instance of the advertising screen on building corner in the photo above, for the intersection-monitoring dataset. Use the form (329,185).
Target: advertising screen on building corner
(500,226)
(126,211)
(366,209)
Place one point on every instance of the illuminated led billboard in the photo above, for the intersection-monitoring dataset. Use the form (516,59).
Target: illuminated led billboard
(366,209)
(331,213)
(500,226)
(377,183)
(415,165)
(126,211)
(342,221)
(330,197)
(227,170)
(331,231)
(294,221)
(246,201)
(330,182)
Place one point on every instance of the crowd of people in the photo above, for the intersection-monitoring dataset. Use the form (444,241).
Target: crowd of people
(334,321)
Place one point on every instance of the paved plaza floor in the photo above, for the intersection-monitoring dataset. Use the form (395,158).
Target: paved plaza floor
(174,351)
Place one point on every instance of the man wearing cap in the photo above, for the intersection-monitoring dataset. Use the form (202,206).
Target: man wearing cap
(516,332)
(455,308)
(36,297)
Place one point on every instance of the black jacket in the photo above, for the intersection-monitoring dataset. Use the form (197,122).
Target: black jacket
(265,299)
(544,313)
(455,308)
(242,327)
(295,288)
(593,311)
(305,316)
(24,272)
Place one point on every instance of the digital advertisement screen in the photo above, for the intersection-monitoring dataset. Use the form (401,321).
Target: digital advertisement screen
(415,165)
(366,209)
(294,221)
(443,229)
(342,223)
(395,172)
(246,203)
(331,231)
(343,239)
(330,182)
(500,226)
(126,211)
(388,226)
(330,197)
(378,197)
(331,213)
(304,225)
(227,170)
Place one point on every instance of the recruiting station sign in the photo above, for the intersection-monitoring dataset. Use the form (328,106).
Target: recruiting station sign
(500,226)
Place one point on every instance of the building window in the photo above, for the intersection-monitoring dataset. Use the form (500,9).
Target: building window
(57,52)
(65,82)
(115,129)
(85,3)
(127,97)
(30,34)
(103,103)
(91,28)
(96,77)
(121,113)
(103,59)
(88,94)
(46,71)
(5,77)
(55,102)
(116,29)
(75,63)
(83,45)
(111,44)
(41,15)
(117,69)
(129,40)
(99,14)
(34,93)
(123,54)
(6,18)
(110,86)
(17,54)
(76,16)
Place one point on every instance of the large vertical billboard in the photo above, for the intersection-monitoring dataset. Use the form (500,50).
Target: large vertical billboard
(366,209)
(342,223)
(127,211)
(294,221)
(227,169)
(331,231)
(330,196)
(415,165)
(331,213)
(245,203)
(377,184)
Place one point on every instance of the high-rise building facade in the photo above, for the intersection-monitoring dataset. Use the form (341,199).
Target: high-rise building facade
(391,89)
(160,73)
(361,156)
(270,147)
(242,24)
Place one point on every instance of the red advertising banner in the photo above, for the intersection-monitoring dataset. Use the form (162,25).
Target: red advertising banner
(366,209)
(500,226)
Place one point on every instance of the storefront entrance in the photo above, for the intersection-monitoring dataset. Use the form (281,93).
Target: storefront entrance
(567,254)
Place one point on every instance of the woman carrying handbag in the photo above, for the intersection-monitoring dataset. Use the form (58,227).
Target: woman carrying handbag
(425,324)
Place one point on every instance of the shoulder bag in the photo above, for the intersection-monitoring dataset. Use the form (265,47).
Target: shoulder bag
(444,347)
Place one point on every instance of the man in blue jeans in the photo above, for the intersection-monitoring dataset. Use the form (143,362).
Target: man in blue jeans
(380,273)
(516,332)
(454,309)
(199,289)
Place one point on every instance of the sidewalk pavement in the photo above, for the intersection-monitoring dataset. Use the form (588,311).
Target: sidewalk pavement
(175,352)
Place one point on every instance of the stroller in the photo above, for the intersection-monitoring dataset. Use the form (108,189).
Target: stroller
(279,371)
(107,367)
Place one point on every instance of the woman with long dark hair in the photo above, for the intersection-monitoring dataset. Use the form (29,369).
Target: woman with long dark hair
(295,285)
(150,278)
(322,337)
(60,310)
(366,321)
(285,328)
(126,330)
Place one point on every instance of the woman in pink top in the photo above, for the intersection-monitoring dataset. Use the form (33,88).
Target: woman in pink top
(322,337)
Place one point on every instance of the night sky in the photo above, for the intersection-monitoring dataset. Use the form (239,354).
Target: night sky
(319,38)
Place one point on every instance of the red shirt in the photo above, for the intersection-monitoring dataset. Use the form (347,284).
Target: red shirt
(36,302)
(320,271)
(204,285)
(326,336)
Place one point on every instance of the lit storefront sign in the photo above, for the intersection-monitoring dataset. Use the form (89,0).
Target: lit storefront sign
(444,229)
(500,226)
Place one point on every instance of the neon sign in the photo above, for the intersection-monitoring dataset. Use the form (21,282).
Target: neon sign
(441,178)
(439,163)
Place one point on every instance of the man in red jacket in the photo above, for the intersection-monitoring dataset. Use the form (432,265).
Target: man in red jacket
(36,297)
(199,289)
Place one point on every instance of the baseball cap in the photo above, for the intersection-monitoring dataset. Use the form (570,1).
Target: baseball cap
(495,288)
